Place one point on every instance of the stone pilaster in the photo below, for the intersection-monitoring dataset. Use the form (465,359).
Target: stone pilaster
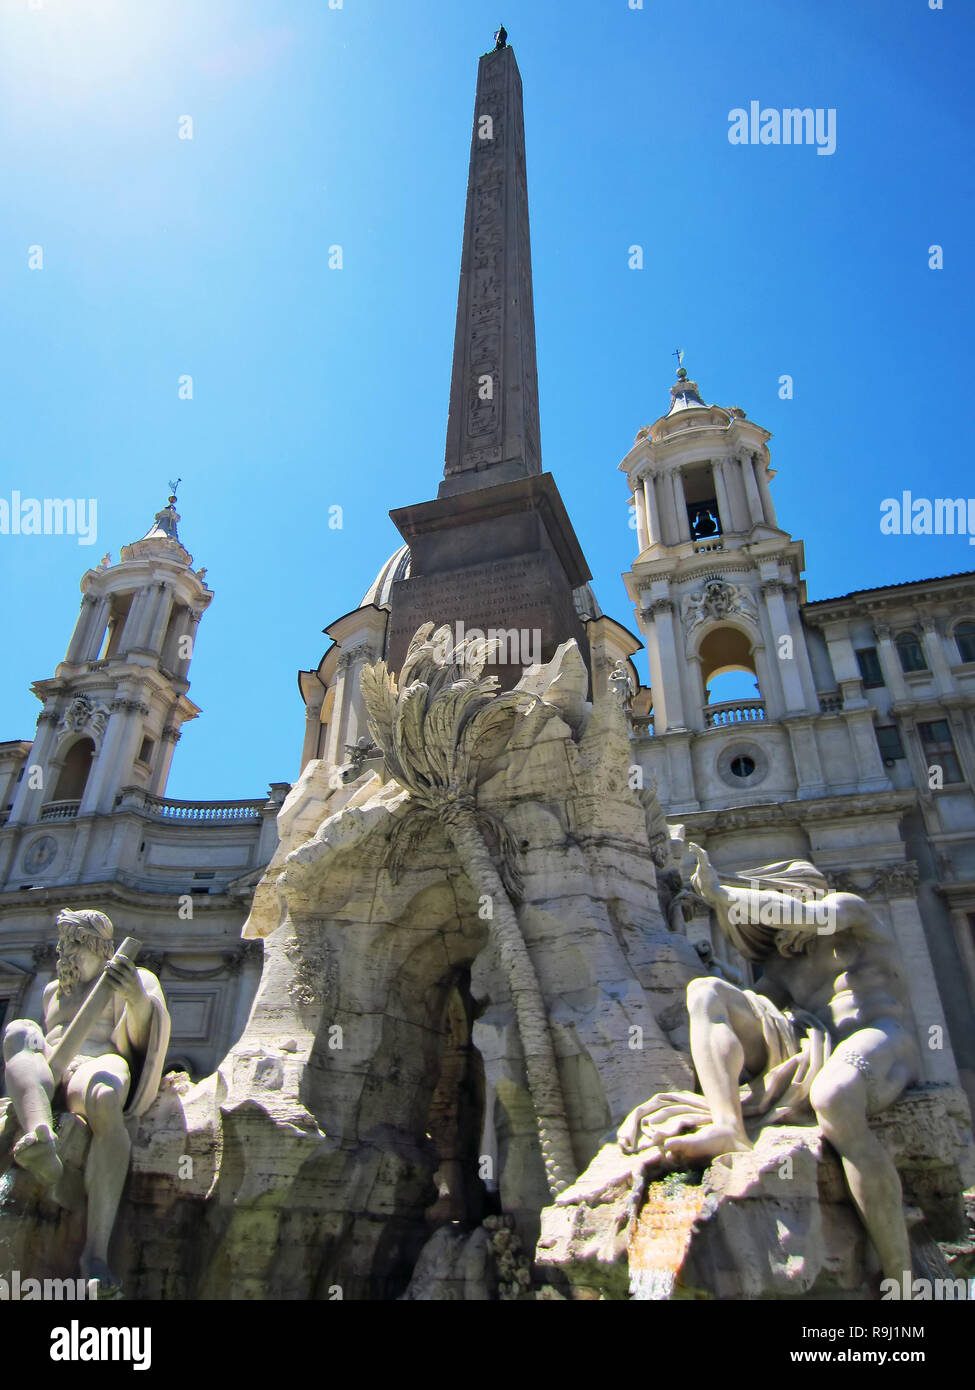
(890,664)
(788,668)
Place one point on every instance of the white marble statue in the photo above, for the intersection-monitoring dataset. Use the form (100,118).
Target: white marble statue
(99,1055)
(828,1025)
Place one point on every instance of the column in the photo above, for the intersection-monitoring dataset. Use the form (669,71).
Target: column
(695,671)
(937,1063)
(890,664)
(183,662)
(654,534)
(313,728)
(357,725)
(661,614)
(168,740)
(76,647)
(671,526)
(772,592)
(29,799)
(160,619)
(752,498)
(335,748)
(735,485)
(723,500)
(146,616)
(680,506)
(116,755)
(934,650)
(640,512)
(96,631)
(134,621)
(800,647)
(765,491)
(771,691)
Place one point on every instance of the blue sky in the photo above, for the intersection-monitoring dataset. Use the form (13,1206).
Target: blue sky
(315,387)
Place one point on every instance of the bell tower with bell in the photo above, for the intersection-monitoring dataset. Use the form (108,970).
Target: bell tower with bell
(114,706)
(717,586)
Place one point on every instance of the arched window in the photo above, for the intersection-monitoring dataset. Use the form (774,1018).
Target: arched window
(910,652)
(965,640)
(730,680)
(73,776)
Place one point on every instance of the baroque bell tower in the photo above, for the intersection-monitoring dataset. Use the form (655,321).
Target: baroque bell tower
(114,707)
(717,586)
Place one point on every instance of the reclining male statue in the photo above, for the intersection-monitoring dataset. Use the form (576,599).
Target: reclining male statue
(105,1067)
(828,1024)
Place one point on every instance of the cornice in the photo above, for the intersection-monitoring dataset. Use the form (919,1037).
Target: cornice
(799,813)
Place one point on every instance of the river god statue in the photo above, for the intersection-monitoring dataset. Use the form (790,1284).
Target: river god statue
(100,1055)
(827,1025)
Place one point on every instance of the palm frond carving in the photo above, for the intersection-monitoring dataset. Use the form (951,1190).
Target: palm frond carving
(437,728)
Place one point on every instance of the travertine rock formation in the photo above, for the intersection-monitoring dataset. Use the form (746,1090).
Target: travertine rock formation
(379,1089)
(770,1224)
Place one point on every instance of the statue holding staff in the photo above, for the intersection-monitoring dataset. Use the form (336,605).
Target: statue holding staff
(100,1055)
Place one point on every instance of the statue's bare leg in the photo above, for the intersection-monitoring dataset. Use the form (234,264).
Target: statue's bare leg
(97,1091)
(726,1037)
(31,1086)
(866,1074)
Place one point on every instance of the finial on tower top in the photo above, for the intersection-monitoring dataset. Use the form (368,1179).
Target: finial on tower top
(681,372)
(172,489)
(501,38)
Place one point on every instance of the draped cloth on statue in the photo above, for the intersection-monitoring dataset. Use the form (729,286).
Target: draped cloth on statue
(798,1049)
(146,1067)
(796,879)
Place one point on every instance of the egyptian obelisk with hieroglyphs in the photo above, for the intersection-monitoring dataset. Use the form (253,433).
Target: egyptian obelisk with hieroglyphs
(496,550)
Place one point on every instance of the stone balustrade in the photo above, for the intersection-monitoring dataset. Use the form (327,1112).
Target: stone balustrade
(733,712)
(209,812)
(60,810)
(831,702)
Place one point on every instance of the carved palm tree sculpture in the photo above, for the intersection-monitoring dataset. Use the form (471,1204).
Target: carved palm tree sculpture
(437,728)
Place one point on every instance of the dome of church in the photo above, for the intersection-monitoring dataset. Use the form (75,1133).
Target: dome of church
(397,567)
(380,590)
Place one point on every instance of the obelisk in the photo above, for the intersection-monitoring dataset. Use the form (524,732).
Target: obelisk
(496,550)
(492,425)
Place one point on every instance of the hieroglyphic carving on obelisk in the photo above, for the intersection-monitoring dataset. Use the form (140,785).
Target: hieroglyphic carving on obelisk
(492,427)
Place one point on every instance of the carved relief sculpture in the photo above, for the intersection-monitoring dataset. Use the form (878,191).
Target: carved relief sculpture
(717,600)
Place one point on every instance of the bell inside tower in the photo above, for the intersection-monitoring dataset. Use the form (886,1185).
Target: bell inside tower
(700,495)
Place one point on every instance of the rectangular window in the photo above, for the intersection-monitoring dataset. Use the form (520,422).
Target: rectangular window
(889,742)
(869,665)
(910,653)
(965,641)
(939,750)
(145,752)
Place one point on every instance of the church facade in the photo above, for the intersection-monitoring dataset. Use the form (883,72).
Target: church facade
(857,751)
